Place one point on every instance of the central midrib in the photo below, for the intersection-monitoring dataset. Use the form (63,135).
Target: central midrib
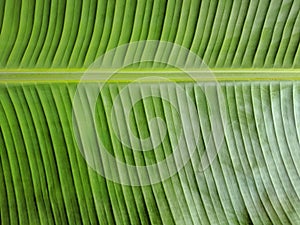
(152,75)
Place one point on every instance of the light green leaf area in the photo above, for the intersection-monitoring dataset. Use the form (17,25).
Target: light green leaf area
(253,180)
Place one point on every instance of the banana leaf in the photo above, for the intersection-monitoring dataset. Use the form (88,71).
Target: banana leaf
(149,112)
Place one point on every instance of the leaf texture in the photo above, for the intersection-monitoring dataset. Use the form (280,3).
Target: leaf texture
(252,48)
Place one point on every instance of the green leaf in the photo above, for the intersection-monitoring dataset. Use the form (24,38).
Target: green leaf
(236,125)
